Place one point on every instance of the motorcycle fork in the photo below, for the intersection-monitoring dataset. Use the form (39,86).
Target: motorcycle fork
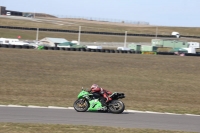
(82,101)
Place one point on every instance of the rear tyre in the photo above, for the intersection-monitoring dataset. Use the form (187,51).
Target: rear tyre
(81,105)
(116,107)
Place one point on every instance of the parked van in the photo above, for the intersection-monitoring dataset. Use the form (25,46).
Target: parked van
(176,34)
(194,44)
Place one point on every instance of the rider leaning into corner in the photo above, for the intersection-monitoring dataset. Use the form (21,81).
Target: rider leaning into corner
(96,89)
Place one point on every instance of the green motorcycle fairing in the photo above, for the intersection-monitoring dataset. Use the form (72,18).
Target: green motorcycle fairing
(83,94)
(95,104)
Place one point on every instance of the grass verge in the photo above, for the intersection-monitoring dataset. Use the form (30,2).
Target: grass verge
(150,82)
(47,128)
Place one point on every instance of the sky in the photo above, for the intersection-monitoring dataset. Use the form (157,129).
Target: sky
(183,13)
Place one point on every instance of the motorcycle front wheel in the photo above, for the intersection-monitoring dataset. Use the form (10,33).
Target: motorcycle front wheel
(81,105)
(116,106)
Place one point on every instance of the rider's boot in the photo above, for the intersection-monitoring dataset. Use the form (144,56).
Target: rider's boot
(103,102)
(108,99)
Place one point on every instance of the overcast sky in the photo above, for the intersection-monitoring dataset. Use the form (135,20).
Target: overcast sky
(183,13)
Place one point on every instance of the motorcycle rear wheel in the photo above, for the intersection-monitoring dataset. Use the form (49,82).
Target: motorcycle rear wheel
(116,107)
(81,105)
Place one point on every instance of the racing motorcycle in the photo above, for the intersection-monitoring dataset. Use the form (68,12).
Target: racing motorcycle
(94,102)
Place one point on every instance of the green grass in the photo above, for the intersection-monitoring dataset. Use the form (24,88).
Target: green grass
(47,128)
(150,82)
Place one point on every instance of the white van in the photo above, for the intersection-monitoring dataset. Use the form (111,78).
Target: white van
(123,48)
(194,44)
(176,34)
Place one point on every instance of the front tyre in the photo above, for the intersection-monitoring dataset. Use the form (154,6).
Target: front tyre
(116,106)
(81,105)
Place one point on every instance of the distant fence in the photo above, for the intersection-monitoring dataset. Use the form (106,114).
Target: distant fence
(104,19)
(92,50)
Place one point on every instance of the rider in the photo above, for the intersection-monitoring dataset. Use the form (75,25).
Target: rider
(96,89)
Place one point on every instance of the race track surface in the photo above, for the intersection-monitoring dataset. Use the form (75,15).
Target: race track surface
(125,120)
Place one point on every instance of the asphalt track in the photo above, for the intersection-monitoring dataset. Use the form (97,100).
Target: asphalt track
(125,120)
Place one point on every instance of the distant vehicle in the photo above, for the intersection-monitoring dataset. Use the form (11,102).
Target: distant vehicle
(70,45)
(190,50)
(194,44)
(123,48)
(20,43)
(74,41)
(8,13)
(8,40)
(94,47)
(176,34)
(12,41)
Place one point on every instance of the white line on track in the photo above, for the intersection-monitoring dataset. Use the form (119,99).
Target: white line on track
(131,111)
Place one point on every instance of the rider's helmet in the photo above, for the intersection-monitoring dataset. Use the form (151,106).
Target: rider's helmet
(94,86)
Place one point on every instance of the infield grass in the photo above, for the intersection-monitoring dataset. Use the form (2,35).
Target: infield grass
(73,24)
(47,128)
(54,78)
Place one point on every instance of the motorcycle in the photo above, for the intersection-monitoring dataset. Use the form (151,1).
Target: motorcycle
(96,103)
